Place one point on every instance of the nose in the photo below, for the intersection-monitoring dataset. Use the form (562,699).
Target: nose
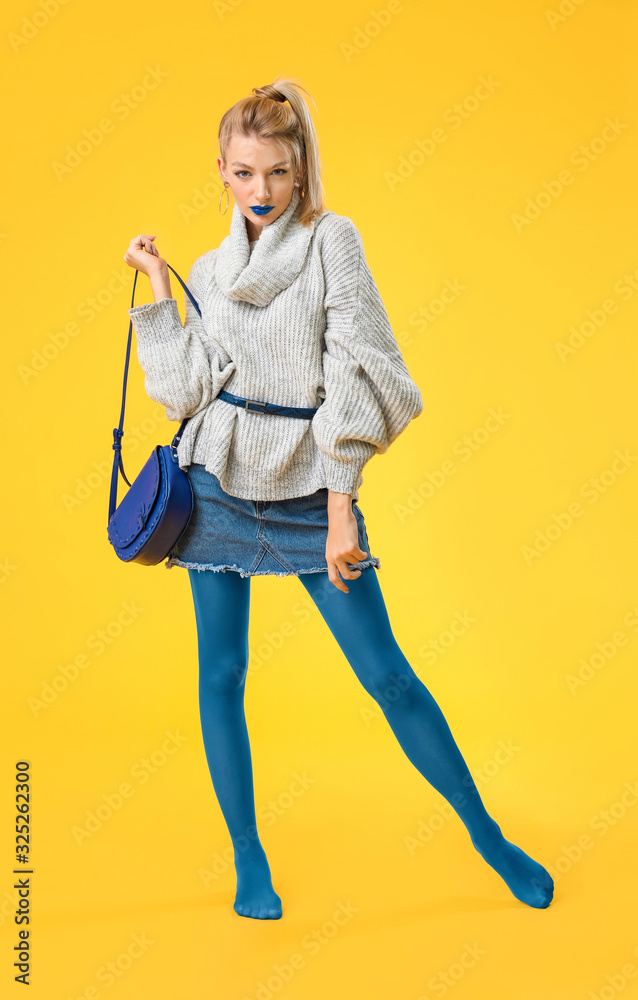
(262,194)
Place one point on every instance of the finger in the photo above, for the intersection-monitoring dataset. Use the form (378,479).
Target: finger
(346,572)
(354,556)
(141,240)
(333,576)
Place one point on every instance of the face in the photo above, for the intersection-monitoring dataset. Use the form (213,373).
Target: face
(260,176)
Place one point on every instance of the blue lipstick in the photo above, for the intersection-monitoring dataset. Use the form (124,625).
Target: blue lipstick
(262,209)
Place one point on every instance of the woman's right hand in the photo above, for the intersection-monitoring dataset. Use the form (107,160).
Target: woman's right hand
(143,256)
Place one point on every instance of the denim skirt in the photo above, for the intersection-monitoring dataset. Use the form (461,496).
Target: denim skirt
(258,537)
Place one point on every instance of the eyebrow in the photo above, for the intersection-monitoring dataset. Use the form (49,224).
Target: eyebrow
(237,163)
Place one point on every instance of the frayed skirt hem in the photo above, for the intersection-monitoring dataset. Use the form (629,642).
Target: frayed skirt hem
(374,561)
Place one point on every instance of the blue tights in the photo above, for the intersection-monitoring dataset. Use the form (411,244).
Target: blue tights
(359,622)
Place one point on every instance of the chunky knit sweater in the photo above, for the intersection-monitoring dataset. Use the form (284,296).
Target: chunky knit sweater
(295,319)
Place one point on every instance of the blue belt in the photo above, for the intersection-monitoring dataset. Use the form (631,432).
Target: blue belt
(305,412)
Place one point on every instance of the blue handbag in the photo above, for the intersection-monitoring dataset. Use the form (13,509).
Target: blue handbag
(158,506)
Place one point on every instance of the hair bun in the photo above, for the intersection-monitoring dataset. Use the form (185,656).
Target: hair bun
(270,92)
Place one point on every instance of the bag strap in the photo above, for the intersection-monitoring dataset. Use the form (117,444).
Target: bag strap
(118,432)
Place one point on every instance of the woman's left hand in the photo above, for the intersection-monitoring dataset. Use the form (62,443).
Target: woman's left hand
(342,543)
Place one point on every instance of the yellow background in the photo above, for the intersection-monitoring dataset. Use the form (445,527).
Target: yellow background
(450,215)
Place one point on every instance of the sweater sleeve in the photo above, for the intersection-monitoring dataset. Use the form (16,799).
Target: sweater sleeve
(185,367)
(369,395)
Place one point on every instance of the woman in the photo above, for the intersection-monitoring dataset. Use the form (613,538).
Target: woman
(292,318)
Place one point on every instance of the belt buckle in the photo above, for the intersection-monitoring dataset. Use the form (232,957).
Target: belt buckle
(256,402)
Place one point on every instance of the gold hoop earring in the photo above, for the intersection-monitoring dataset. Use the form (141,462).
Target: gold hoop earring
(227,201)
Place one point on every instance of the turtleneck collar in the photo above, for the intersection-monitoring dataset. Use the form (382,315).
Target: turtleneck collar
(275,261)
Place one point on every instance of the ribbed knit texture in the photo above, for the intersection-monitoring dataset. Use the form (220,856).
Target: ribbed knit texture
(295,320)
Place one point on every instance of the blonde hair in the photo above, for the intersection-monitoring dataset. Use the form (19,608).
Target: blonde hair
(264,115)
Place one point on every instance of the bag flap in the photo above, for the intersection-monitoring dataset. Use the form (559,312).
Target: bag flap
(130,518)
